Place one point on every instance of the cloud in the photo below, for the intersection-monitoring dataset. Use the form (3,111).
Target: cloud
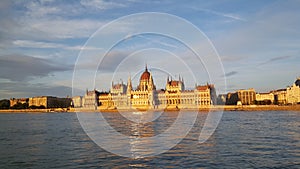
(109,63)
(51,8)
(36,44)
(64,28)
(232,73)
(230,58)
(41,8)
(102,4)
(22,67)
(49,45)
(24,89)
(275,59)
(159,41)
(226,15)
(44,21)
(274,28)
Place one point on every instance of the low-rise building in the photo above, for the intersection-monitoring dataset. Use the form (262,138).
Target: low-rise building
(77,101)
(105,100)
(279,96)
(232,98)
(293,93)
(245,96)
(221,99)
(91,99)
(265,98)
(14,101)
(49,102)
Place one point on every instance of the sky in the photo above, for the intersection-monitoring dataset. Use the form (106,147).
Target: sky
(48,46)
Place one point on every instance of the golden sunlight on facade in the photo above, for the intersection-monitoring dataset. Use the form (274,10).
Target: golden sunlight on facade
(146,96)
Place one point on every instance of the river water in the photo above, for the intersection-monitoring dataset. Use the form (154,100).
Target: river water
(242,140)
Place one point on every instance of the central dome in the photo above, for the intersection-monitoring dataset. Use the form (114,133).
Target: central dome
(145,75)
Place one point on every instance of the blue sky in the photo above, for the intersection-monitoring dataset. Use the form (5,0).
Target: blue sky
(258,43)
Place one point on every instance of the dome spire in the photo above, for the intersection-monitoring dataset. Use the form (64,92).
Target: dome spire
(146,74)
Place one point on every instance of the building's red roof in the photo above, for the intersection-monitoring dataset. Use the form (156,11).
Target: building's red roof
(174,83)
(145,75)
(202,87)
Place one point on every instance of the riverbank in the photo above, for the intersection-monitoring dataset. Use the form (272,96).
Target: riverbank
(262,108)
(57,110)
(203,109)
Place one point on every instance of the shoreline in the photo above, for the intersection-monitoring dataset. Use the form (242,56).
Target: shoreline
(203,109)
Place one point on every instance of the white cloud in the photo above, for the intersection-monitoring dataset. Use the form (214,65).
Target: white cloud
(36,44)
(83,48)
(152,40)
(102,4)
(226,15)
(44,20)
(49,45)
(65,28)
(37,9)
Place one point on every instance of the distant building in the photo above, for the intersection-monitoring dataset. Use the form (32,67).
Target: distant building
(77,101)
(221,99)
(105,100)
(14,101)
(91,99)
(118,95)
(264,98)
(49,102)
(280,96)
(232,99)
(245,96)
(145,96)
(293,93)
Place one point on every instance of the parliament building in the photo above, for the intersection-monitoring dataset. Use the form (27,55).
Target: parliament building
(145,96)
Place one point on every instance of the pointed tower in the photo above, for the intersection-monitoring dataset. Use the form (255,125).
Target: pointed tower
(144,80)
(182,82)
(151,85)
(146,68)
(129,85)
(128,92)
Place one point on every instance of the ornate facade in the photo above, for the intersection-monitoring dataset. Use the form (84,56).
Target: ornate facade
(145,96)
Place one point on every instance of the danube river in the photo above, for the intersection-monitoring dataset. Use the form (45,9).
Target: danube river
(242,140)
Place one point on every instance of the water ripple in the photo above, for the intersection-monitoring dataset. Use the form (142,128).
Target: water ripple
(242,140)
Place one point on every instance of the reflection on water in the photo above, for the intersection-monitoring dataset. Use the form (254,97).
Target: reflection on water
(141,116)
(140,141)
(242,140)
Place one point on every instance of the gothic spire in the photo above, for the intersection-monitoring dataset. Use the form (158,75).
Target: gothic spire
(129,85)
(146,69)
